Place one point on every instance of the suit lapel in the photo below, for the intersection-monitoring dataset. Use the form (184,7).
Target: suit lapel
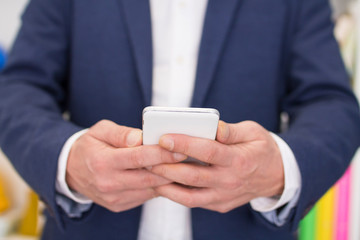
(218,19)
(138,20)
(217,23)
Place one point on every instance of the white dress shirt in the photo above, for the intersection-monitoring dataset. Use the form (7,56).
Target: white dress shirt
(177,28)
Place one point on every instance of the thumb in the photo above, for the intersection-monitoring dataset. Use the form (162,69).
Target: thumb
(245,131)
(116,135)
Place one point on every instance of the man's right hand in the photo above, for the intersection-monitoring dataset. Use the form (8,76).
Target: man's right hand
(108,165)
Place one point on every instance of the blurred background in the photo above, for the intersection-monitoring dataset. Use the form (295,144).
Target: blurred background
(335,216)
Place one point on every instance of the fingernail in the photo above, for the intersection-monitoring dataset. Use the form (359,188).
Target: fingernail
(133,138)
(167,143)
(179,156)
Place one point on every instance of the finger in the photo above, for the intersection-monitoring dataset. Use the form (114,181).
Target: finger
(226,206)
(188,174)
(138,195)
(124,207)
(116,135)
(125,200)
(202,149)
(240,132)
(139,179)
(128,180)
(141,157)
(189,197)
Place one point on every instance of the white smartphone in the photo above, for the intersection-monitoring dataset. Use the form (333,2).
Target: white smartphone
(196,122)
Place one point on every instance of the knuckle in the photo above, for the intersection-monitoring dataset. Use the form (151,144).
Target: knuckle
(193,178)
(189,202)
(123,184)
(83,140)
(119,209)
(104,186)
(186,148)
(137,158)
(165,157)
(162,155)
(152,194)
(231,183)
(96,165)
(123,134)
(248,168)
(100,124)
(252,127)
(148,181)
(111,201)
(255,128)
(104,122)
(163,171)
(223,209)
(119,137)
(252,124)
(113,209)
(210,155)
(81,149)
(240,158)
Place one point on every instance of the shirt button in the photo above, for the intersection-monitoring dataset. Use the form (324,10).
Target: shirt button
(179,60)
(182,4)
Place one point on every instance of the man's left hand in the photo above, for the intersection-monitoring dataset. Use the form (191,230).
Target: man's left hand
(243,163)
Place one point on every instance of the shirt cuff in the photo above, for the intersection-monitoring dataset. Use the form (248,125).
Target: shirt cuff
(292,182)
(61,185)
(71,208)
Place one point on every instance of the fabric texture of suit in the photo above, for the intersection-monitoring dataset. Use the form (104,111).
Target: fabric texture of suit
(257,59)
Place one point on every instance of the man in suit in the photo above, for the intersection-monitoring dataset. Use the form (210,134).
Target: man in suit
(104,61)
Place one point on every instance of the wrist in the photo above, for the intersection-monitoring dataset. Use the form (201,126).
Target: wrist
(62,183)
(291,181)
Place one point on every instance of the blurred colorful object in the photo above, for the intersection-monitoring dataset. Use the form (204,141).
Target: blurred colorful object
(4,200)
(29,223)
(2,58)
(307,225)
(342,209)
(325,216)
(337,215)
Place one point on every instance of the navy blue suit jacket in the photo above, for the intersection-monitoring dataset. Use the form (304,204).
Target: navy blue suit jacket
(257,58)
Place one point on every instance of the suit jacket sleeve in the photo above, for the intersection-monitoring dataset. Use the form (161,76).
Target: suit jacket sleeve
(324,118)
(33,97)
